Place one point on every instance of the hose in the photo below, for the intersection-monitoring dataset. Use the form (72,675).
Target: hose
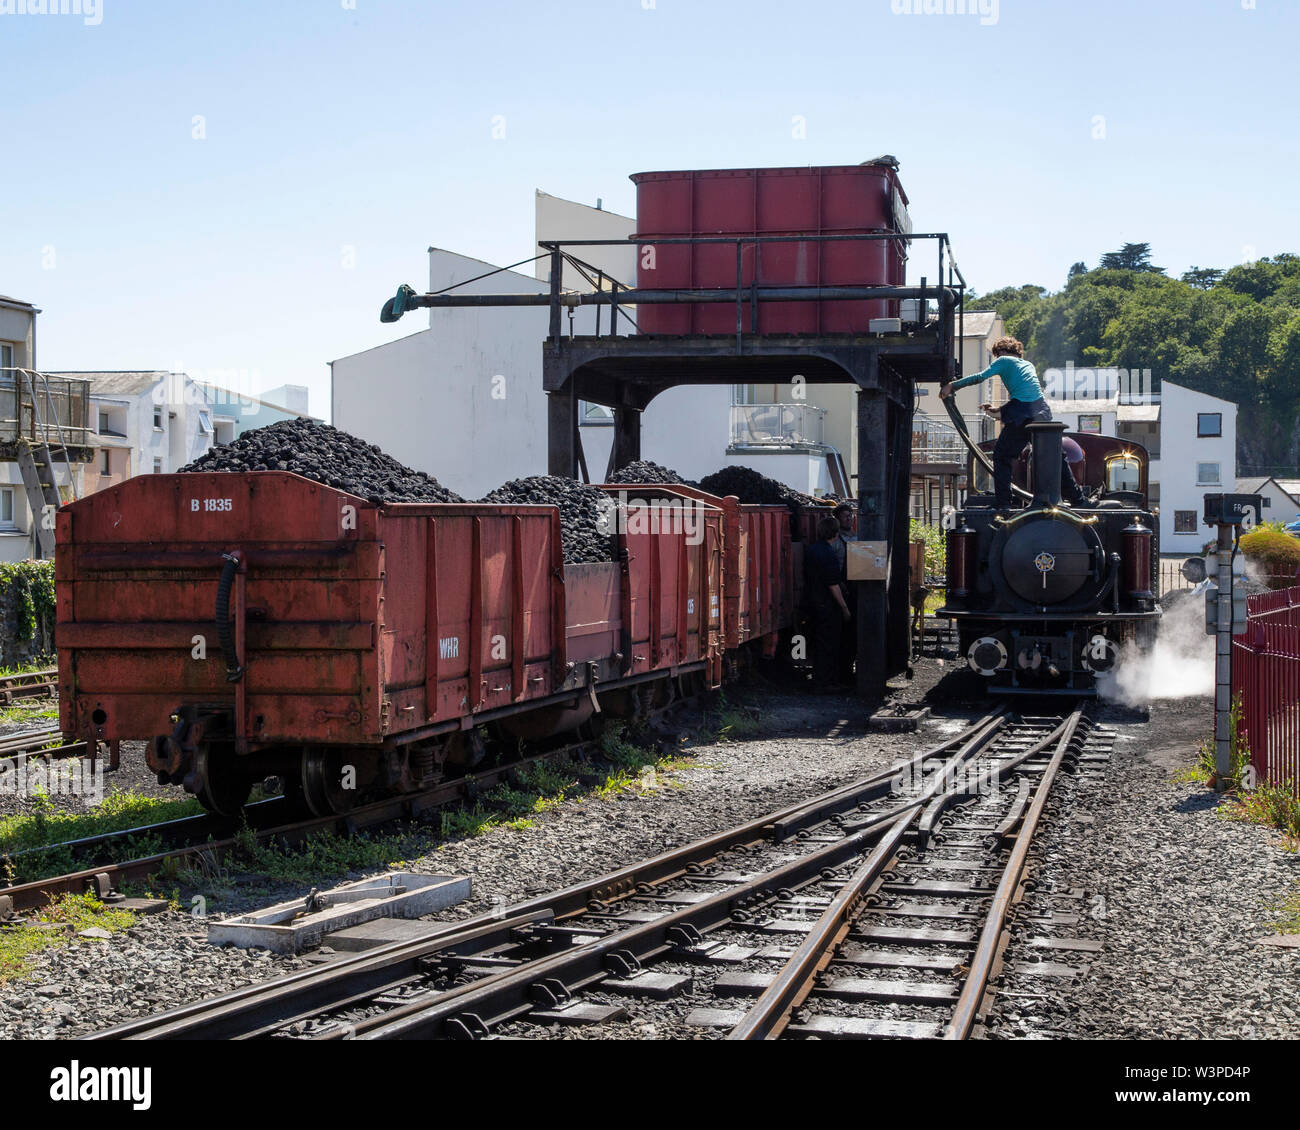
(234,672)
(982,459)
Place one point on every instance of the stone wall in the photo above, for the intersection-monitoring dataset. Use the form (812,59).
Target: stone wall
(26,612)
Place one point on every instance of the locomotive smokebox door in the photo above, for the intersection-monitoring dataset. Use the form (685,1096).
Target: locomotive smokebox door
(1048,561)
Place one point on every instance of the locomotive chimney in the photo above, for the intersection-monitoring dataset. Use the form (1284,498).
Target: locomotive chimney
(1046,438)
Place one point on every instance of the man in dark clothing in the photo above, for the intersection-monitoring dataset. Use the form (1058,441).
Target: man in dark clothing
(826,605)
(848,649)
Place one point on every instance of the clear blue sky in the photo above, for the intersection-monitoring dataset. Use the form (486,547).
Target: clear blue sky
(368,125)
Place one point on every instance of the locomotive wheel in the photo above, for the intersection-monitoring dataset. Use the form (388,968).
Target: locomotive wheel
(217,782)
(323,781)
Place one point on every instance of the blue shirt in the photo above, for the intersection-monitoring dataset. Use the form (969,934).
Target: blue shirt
(1020,377)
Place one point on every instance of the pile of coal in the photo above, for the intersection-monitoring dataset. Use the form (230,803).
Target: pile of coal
(645,472)
(326,455)
(580,507)
(749,486)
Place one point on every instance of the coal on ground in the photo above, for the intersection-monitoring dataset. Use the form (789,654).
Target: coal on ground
(326,455)
(580,508)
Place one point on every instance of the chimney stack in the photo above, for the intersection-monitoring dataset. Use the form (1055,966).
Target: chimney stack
(1047,456)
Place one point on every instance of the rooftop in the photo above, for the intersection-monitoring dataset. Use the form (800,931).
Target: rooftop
(127,382)
(978,323)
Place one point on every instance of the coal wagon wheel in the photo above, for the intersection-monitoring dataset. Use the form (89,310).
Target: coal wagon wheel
(328,782)
(218,780)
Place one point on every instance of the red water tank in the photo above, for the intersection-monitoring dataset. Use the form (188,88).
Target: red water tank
(831,200)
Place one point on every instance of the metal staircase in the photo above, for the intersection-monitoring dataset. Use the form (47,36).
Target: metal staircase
(36,460)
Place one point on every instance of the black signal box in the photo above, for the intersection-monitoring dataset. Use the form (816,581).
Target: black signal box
(1233,509)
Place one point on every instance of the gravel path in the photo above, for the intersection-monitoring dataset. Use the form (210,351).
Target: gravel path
(1176,895)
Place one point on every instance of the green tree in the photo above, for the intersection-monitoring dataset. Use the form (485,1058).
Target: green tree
(1130,257)
(1201,277)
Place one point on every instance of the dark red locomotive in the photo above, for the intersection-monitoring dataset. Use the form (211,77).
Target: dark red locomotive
(1045,598)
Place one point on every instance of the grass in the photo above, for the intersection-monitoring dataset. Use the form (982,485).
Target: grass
(29,710)
(1204,770)
(54,927)
(45,825)
(318,856)
(1288,911)
(1272,805)
(514,804)
(37,663)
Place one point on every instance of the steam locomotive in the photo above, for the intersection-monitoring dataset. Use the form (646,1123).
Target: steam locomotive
(1046,598)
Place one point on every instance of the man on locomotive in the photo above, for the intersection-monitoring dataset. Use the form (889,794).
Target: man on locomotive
(1026,406)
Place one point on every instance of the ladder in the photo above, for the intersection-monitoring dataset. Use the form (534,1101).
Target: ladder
(36,462)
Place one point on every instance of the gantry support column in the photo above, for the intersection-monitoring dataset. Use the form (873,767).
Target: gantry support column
(626,447)
(899,637)
(884,487)
(562,434)
(873,525)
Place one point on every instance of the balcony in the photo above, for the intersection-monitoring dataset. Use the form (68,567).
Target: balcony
(41,409)
(933,441)
(792,427)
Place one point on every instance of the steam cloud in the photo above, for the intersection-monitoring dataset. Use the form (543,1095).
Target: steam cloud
(1180,666)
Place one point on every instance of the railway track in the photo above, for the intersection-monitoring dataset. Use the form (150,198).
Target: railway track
(767,910)
(29,684)
(28,745)
(207,837)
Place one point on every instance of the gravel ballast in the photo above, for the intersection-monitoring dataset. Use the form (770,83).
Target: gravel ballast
(809,747)
(326,455)
(1178,896)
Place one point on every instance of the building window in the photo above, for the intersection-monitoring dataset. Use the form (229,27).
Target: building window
(205,422)
(1207,474)
(1209,424)
(157,419)
(595,414)
(157,465)
(103,422)
(7,509)
(106,468)
(1090,425)
(1184,521)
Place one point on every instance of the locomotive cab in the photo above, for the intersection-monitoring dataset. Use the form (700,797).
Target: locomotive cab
(1048,597)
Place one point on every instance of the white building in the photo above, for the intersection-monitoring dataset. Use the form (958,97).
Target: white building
(1190,436)
(1280,505)
(234,413)
(462,400)
(146,421)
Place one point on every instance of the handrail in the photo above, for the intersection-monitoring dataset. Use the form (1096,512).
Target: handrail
(951,297)
(41,427)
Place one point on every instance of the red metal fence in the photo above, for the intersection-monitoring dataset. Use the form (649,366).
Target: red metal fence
(1266,676)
